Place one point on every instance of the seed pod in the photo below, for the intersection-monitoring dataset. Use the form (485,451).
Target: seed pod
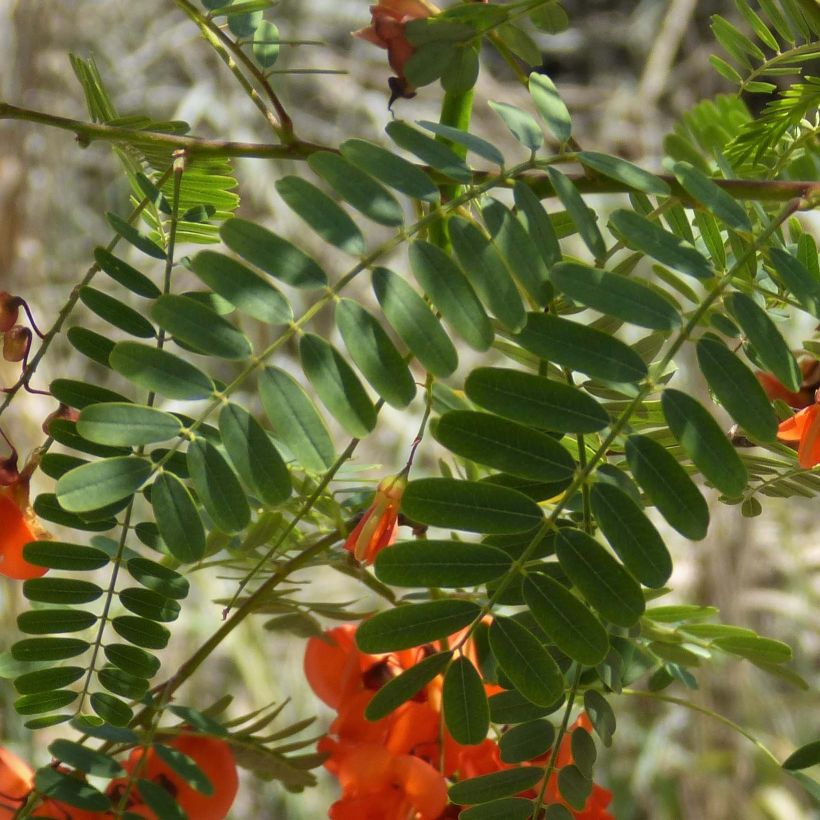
(9,310)
(16,343)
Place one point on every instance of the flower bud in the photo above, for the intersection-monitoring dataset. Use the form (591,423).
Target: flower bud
(16,343)
(62,412)
(377,528)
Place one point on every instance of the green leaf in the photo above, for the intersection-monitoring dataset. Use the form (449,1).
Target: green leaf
(195,324)
(565,620)
(295,420)
(649,238)
(666,483)
(494,785)
(390,169)
(374,354)
(451,293)
(461,73)
(266,44)
(94,345)
(243,17)
(61,591)
(84,759)
(737,389)
(584,753)
(111,709)
(518,250)
(464,703)
(537,223)
(65,788)
(608,587)
(469,505)
(414,624)
(631,534)
(130,234)
(504,445)
(525,661)
(48,649)
(574,787)
(125,275)
(132,659)
(600,715)
(487,272)
(435,563)
(804,757)
(337,385)
(149,604)
(581,348)
(765,338)
(116,313)
(520,43)
(79,394)
(44,702)
(615,295)
(550,18)
(798,279)
(48,508)
(160,371)
(357,188)
(471,142)
(505,808)
(400,689)
(122,683)
(253,455)
(182,765)
(243,288)
(526,742)
(62,555)
(535,400)
(550,106)
(623,171)
(430,151)
(415,323)
(160,578)
(522,125)
(98,483)
(141,631)
(704,442)
(765,650)
(579,213)
(217,486)
(723,205)
(48,680)
(512,707)
(177,518)
(321,214)
(46,621)
(126,424)
(270,253)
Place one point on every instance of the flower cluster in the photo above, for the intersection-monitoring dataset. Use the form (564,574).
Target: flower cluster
(398,767)
(213,757)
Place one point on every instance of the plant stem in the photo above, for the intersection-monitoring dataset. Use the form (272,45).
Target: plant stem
(704,711)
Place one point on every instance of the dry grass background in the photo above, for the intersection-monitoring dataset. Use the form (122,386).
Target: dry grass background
(626,70)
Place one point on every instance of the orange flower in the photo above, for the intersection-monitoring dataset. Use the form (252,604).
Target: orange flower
(387,30)
(804,428)
(377,527)
(213,756)
(18,526)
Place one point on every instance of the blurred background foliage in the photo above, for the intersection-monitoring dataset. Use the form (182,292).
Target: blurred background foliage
(627,71)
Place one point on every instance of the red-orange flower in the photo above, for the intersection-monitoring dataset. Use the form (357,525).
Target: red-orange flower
(804,428)
(214,758)
(804,397)
(387,30)
(18,526)
(395,768)
(377,527)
